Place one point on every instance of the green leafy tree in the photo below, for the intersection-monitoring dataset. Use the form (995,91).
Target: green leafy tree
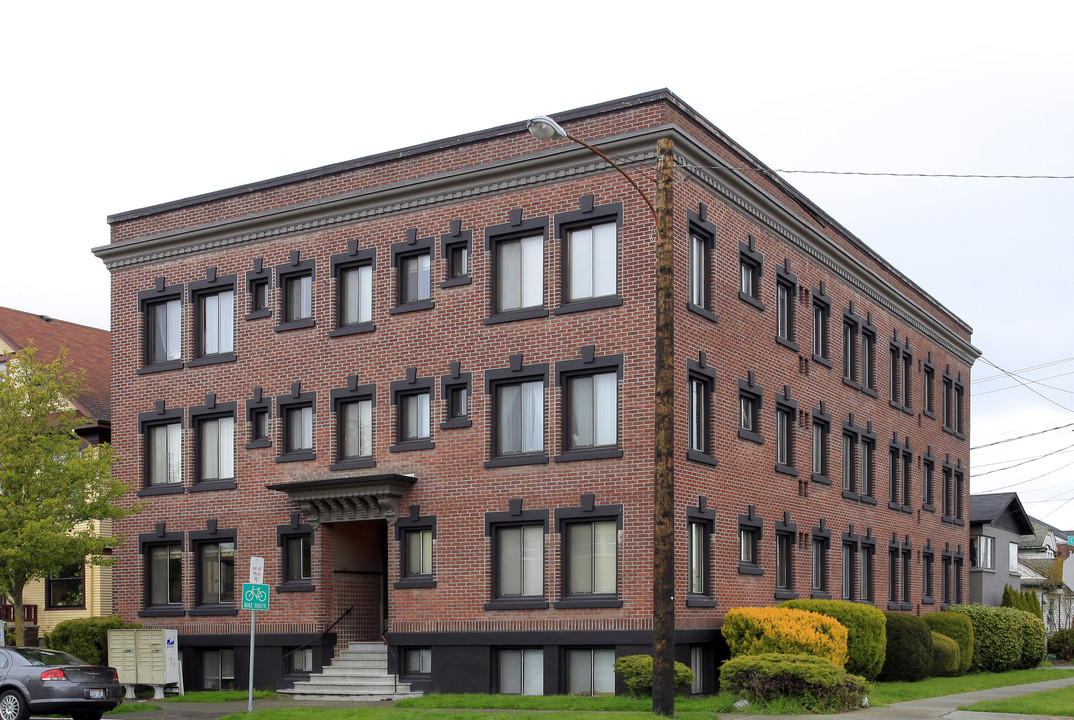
(53,486)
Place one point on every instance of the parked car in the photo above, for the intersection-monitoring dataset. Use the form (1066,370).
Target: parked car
(44,682)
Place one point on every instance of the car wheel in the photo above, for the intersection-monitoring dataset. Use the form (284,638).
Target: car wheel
(85,716)
(13,707)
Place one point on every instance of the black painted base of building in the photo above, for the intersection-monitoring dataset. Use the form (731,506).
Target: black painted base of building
(213,662)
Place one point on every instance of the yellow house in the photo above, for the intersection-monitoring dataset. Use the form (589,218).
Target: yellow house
(82,590)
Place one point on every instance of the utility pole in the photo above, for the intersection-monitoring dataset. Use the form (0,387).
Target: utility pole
(664,470)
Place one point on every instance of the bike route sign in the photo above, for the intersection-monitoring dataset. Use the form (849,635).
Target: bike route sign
(255,596)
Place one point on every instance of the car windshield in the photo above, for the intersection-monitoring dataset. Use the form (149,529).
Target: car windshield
(36,656)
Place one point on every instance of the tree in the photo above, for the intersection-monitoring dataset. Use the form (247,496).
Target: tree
(53,486)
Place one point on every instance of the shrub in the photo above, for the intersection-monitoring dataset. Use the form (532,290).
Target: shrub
(818,684)
(865,632)
(1032,603)
(1061,644)
(909,648)
(1034,639)
(754,631)
(959,628)
(86,638)
(945,656)
(637,674)
(997,640)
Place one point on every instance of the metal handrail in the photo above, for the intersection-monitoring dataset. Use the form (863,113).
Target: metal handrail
(321,636)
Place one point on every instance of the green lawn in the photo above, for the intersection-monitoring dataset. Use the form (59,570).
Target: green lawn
(885,693)
(1048,702)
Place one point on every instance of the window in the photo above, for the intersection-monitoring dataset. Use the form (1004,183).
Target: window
(859,451)
(416,535)
(455,389)
(894,577)
(899,557)
(295,541)
(591,262)
(65,588)
(850,350)
(750,267)
(296,409)
(928,483)
(517,252)
(786,410)
(786,291)
(164,574)
(850,448)
(355,295)
(957,570)
(353,406)
(214,324)
(520,561)
(850,550)
(1012,557)
(700,524)
(953,391)
(258,295)
(218,669)
(866,554)
(413,417)
(697,666)
(415,278)
(301,660)
(750,395)
(257,287)
(901,462)
(820,542)
(822,423)
(518,413)
(455,249)
(215,572)
(928,590)
(822,305)
(591,406)
(295,279)
(162,318)
(701,382)
(982,552)
(785,533)
(945,578)
(702,243)
(521,672)
(164,454)
(259,429)
(215,448)
(590,672)
(867,359)
(948,493)
(868,459)
(902,363)
(929,387)
(417,661)
(590,536)
(953,487)
(749,537)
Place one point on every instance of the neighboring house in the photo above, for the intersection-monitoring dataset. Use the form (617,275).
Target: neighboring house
(420,385)
(998,523)
(82,590)
(1043,559)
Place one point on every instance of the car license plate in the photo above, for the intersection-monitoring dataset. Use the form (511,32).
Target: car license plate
(96,694)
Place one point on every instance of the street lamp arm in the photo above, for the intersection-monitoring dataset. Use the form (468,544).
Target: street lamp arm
(622,172)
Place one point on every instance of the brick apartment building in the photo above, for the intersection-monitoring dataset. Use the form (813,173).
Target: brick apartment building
(421,385)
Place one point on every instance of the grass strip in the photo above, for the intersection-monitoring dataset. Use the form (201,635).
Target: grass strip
(1047,702)
(885,693)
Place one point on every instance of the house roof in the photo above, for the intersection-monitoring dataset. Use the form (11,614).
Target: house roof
(1041,568)
(1002,509)
(1060,534)
(1038,536)
(87,347)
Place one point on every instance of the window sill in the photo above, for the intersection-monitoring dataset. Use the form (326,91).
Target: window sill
(458,281)
(594,453)
(513,315)
(290,587)
(698,456)
(750,569)
(588,304)
(786,470)
(907,509)
(929,413)
(162,611)
(868,499)
(703,601)
(851,495)
(296,325)
(871,392)
(258,444)
(415,582)
(926,600)
(990,571)
(928,507)
(750,435)
(851,383)
(894,505)
(353,464)
(908,410)
(750,300)
(408,445)
(785,594)
(822,360)
(460,422)
(206,485)
(211,360)
(356,329)
(789,344)
(221,609)
(258,314)
(516,604)
(160,367)
(169,489)
(520,459)
(820,595)
(820,479)
(296,456)
(412,307)
(703,312)
(590,601)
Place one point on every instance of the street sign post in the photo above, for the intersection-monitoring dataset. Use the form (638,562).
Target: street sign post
(255,596)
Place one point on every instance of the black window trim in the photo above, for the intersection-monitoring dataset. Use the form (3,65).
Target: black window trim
(589,364)
(211,410)
(750,521)
(156,417)
(293,529)
(701,371)
(449,241)
(588,512)
(516,373)
(158,294)
(197,538)
(260,275)
(789,281)
(352,392)
(159,537)
(861,436)
(515,516)
(414,521)
(295,398)
(588,215)
(748,254)
(294,268)
(454,380)
(823,534)
(515,229)
(213,284)
(928,481)
(698,225)
(410,248)
(900,455)
(822,301)
(749,389)
(259,403)
(705,516)
(401,389)
(340,263)
(785,403)
(821,417)
(789,530)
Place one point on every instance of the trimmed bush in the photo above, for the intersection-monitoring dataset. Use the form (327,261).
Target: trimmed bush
(945,656)
(1034,639)
(755,631)
(959,628)
(637,674)
(86,638)
(866,641)
(818,684)
(909,648)
(1061,644)
(997,640)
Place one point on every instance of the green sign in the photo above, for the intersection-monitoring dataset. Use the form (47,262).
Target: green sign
(255,597)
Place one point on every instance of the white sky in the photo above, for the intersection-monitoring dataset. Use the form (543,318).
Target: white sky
(112,106)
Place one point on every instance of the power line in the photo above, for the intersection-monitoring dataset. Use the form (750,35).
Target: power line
(1039,432)
(975,176)
(1024,384)
(978,381)
(1026,462)
(1034,382)
(1023,482)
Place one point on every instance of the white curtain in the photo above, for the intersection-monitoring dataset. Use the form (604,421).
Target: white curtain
(532,271)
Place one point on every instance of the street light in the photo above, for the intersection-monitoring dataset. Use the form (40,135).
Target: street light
(545,128)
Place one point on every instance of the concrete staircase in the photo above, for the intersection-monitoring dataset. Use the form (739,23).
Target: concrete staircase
(358,673)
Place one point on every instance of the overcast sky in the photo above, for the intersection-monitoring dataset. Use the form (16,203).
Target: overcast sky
(112,106)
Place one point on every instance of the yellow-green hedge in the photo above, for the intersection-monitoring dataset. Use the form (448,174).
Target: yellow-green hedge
(755,631)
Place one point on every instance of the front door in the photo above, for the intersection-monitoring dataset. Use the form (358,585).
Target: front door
(359,580)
